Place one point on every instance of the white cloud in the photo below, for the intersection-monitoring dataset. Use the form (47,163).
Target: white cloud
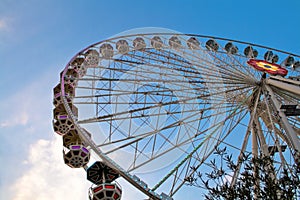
(48,177)
(43,173)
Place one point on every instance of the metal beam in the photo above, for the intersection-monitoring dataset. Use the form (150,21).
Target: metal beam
(294,139)
(284,84)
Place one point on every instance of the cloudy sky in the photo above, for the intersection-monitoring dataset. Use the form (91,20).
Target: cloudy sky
(38,37)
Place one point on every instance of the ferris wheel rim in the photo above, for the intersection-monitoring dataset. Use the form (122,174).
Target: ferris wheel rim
(182,34)
(109,162)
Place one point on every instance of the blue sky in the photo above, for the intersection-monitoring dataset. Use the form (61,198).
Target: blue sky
(37,38)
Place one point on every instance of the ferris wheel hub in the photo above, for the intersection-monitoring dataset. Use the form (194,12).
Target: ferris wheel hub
(267,67)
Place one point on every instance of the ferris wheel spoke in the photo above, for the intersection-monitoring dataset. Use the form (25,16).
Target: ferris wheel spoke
(209,62)
(149,107)
(186,90)
(207,71)
(241,62)
(174,146)
(179,182)
(157,92)
(171,79)
(136,138)
(253,111)
(233,68)
(170,126)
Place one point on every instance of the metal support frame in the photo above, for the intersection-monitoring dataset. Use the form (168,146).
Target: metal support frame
(291,134)
(285,84)
(253,111)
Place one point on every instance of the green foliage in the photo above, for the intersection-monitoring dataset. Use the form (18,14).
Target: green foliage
(257,178)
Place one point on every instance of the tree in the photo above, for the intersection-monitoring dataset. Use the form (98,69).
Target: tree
(257,179)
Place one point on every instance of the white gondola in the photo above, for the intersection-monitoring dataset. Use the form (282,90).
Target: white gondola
(91,58)
(139,43)
(122,46)
(107,51)
(289,61)
(78,65)
(212,45)
(175,42)
(69,94)
(193,43)
(77,156)
(249,52)
(271,57)
(231,48)
(156,42)
(106,191)
(296,66)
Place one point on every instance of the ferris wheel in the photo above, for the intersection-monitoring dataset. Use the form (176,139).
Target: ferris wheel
(152,108)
